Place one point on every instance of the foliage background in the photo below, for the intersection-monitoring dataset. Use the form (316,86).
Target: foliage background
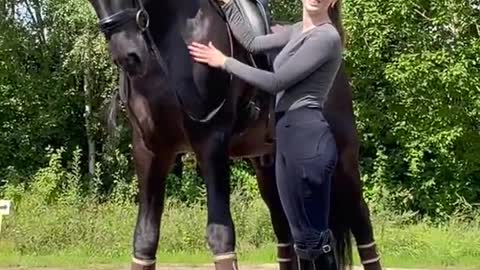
(414,66)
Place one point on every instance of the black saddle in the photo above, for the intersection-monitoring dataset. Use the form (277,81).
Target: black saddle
(257,16)
(255,13)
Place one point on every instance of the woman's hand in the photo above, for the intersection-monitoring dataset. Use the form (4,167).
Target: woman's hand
(207,54)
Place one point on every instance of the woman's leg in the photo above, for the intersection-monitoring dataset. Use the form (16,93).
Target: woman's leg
(310,155)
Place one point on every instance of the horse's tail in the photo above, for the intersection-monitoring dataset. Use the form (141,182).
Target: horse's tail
(343,242)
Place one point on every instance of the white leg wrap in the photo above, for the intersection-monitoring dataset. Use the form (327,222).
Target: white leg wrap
(143,262)
(284,244)
(369,245)
(280,260)
(371,260)
(225,256)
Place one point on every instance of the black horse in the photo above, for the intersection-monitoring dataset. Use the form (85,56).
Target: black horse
(175,105)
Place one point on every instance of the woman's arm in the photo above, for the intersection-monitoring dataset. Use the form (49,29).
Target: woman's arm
(244,35)
(318,49)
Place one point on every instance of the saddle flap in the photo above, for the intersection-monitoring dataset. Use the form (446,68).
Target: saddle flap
(255,14)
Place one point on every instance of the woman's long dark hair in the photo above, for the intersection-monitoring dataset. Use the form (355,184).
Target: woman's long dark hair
(335,14)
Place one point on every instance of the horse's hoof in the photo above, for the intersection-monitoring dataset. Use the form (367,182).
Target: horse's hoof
(286,257)
(142,267)
(372,266)
(230,264)
(226,262)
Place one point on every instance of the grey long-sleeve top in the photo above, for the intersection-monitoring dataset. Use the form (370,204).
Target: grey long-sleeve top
(305,68)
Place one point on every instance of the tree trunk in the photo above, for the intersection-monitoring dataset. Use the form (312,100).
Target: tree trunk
(88,112)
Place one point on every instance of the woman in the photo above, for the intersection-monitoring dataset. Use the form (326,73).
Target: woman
(304,71)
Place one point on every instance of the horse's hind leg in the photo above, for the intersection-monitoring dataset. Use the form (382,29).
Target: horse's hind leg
(152,170)
(269,192)
(362,230)
(363,233)
(349,185)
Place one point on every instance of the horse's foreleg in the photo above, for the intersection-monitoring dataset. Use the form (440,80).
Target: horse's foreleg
(152,170)
(213,158)
(269,192)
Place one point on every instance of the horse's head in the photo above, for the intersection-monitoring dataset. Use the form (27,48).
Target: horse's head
(124,22)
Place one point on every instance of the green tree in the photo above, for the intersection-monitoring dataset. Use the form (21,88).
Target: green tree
(414,66)
(55,82)
(415,71)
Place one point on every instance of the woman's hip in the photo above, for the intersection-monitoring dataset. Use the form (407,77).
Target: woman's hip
(304,134)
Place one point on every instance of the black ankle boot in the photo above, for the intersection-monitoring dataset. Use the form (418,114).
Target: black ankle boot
(305,264)
(327,261)
(321,257)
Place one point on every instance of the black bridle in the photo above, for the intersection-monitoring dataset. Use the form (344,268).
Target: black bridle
(117,21)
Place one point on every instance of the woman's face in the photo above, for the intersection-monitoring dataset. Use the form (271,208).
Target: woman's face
(317,6)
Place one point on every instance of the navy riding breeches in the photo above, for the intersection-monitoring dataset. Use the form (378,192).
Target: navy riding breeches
(306,157)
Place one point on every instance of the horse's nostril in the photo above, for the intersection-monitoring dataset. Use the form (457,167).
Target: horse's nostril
(133,58)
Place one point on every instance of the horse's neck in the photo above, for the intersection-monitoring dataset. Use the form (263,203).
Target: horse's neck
(171,29)
(167,13)
(173,17)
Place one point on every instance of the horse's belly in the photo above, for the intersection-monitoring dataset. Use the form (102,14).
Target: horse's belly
(250,148)
(253,142)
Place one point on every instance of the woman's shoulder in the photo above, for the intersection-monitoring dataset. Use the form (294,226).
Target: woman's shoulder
(297,24)
(327,32)
(296,27)
(327,29)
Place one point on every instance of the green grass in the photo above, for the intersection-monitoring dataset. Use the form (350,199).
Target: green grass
(76,261)
(264,255)
(69,236)
(8,258)
(53,225)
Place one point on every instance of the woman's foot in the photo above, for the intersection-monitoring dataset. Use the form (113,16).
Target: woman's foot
(326,261)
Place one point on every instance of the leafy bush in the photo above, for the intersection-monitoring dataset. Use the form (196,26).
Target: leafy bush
(414,68)
(55,216)
(415,74)
(55,213)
